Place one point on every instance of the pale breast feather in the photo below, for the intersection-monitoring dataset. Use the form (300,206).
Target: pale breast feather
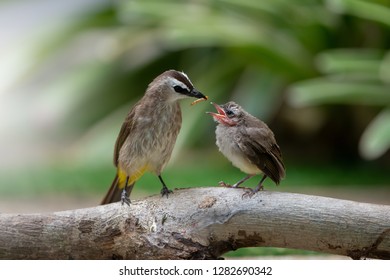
(229,147)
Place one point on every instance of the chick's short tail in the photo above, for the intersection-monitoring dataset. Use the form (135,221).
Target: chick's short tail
(115,192)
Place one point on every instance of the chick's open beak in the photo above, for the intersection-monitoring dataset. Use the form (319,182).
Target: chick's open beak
(220,115)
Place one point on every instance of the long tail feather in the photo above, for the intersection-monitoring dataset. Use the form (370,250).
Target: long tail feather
(114,193)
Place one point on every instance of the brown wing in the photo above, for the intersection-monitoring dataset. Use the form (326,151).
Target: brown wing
(123,134)
(259,145)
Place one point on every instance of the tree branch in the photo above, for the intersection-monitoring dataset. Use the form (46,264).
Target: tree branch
(200,223)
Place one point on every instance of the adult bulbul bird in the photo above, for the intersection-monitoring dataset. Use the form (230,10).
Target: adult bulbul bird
(148,134)
(248,143)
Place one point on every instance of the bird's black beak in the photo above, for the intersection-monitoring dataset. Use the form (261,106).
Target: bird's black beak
(195,93)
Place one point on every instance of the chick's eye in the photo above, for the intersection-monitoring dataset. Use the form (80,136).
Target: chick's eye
(179,89)
(229,113)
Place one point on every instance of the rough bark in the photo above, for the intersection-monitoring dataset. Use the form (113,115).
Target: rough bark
(200,223)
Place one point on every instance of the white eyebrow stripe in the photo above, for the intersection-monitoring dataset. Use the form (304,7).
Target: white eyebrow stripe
(185,75)
(175,82)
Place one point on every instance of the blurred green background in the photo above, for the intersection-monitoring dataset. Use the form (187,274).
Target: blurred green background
(317,72)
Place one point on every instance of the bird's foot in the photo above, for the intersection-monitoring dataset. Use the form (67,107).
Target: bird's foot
(125,198)
(165,191)
(251,192)
(226,185)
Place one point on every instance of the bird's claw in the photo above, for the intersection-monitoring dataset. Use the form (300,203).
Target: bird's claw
(125,198)
(249,193)
(223,184)
(165,191)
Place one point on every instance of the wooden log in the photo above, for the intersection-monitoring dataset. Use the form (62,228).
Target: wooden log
(200,223)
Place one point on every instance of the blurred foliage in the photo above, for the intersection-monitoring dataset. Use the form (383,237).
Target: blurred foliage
(271,251)
(318,71)
(352,77)
(269,56)
(84,180)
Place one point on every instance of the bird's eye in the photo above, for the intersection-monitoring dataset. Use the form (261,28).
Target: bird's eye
(229,113)
(179,89)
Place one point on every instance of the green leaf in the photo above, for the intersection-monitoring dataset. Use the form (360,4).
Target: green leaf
(375,140)
(384,71)
(350,60)
(324,91)
(363,9)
